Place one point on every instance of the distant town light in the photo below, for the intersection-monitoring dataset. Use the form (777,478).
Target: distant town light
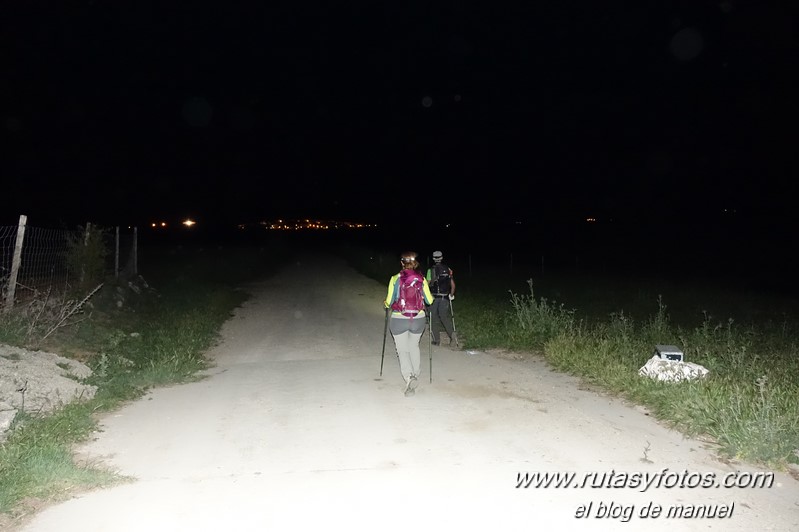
(189,222)
(310,224)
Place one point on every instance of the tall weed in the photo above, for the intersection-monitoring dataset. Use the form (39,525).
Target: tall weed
(537,320)
(85,255)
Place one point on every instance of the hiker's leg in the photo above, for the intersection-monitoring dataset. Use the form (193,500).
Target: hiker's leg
(446,317)
(414,352)
(404,354)
(401,334)
(434,319)
(417,326)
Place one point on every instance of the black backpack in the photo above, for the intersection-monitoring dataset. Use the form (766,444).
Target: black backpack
(441,279)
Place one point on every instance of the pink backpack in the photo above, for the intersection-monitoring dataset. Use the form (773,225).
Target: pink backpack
(410,299)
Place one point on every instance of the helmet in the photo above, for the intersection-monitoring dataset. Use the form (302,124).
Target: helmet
(437,256)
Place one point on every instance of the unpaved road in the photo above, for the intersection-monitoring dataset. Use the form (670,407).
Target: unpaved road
(295,430)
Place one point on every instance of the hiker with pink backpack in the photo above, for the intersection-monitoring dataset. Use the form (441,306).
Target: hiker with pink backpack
(408,296)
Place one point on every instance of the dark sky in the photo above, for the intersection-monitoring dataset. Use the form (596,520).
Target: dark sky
(236,111)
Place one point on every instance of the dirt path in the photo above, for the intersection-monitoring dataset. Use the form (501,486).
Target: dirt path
(294,430)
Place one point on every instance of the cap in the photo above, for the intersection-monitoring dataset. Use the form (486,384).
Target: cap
(437,255)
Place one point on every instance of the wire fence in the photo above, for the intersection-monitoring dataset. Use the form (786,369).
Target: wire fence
(41,259)
(36,259)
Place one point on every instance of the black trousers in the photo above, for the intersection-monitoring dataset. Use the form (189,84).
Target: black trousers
(440,314)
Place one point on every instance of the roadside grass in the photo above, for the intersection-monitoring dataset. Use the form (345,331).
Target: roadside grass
(747,405)
(36,461)
(159,338)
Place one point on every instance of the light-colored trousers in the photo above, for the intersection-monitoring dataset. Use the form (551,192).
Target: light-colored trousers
(407,333)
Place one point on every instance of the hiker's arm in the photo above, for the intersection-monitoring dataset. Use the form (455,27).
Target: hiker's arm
(451,284)
(392,286)
(428,296)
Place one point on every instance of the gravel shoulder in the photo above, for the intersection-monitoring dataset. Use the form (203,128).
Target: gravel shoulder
(293,428)
(38,382)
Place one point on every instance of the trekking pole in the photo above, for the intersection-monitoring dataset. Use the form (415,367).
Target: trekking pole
(385,333)
(454,331)
(430,343)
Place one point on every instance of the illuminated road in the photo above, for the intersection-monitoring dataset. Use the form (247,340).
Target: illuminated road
(295,430)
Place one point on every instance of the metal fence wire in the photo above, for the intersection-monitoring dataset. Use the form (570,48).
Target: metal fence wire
(44,259)
(43,262)
(8,236)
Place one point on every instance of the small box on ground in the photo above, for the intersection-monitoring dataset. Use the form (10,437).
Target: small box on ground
(669,352)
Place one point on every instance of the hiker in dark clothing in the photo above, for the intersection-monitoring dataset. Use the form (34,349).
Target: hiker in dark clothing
(442,285)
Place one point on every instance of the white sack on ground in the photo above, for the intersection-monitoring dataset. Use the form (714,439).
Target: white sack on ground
(672,370)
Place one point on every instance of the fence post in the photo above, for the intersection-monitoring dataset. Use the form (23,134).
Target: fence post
(15,263)
(135,251)
(116,254)
(85,244)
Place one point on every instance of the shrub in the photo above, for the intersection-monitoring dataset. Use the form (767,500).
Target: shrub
(536,321)
(86,257)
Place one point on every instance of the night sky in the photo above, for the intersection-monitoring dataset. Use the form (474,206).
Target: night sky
(119,111)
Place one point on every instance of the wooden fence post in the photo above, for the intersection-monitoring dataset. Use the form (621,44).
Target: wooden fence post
(135,251)
(15,263)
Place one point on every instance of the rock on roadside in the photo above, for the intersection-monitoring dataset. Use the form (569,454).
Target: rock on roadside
(38,382)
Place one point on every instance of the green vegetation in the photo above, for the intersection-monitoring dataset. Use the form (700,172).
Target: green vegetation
(748,404)
(36,461)
(158,337)
(85,256)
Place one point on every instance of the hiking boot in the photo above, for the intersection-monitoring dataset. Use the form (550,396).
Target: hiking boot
(410,389)
(434,342)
